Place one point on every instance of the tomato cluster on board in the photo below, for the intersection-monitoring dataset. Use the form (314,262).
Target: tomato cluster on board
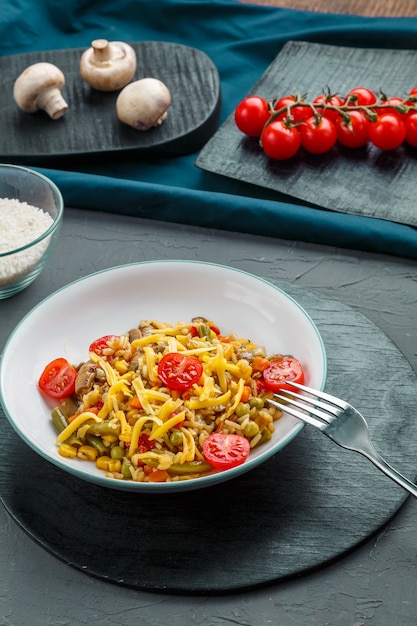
(291,122)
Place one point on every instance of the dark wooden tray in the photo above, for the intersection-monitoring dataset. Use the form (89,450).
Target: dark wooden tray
(303,508)
(90,127)
(365,181)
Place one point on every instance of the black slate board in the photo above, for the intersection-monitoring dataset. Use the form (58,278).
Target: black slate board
(365,181)
(303,508)
(90,127)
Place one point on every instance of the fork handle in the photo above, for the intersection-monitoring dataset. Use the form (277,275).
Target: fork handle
(387,469)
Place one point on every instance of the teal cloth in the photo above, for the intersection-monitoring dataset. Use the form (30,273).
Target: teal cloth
(242,40)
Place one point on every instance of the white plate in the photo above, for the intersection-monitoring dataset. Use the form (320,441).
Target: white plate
(114,300)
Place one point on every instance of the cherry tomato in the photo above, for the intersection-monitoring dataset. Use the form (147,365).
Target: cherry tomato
(280,141)
(355,133)
(413,92)
(395,102)
(297,113)
(361,96)
(329,100)
(411,129)
(388,132)
(225,451)
(179,371)
(318,136)
(58,379)
(281,370)
(101,344)
(251,115)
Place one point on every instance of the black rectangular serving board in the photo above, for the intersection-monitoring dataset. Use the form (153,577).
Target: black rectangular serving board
(90,127)
(363,181)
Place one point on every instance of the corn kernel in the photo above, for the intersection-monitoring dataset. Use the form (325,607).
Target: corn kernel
(67,451)
(87,453)
(108,464)
(110,438)
(102,463)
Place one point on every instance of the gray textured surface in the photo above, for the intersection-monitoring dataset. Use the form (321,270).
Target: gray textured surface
(375,584)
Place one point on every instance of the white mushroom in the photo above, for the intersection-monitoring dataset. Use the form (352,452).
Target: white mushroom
(143,104)
(39,88)
(108,65)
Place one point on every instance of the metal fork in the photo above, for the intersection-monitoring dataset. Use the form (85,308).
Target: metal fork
(340,421)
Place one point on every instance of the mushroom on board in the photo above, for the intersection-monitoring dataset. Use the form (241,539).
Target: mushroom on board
(108,65)
(38,87)
(143,103)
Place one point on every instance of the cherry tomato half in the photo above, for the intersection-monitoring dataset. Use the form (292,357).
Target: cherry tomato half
(280,141)
(355,133)
(251,115)
(225,451)
(361,96)
(280,370)
(102,343)
(179,371)
(58,379)
(388,132)
(318,136)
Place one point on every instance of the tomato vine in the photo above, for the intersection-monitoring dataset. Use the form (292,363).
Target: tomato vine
(288,123)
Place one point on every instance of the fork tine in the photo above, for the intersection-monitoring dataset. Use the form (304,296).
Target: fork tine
(332,411)
(304,417)
(312,410)
(320,394)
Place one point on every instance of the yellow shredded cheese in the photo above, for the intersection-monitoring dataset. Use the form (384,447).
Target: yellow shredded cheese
(166,426)
(76,423)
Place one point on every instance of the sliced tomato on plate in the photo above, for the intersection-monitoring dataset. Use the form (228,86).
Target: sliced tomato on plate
(224,451)
(58,379)
(179,371)
(280,370)
(102,343)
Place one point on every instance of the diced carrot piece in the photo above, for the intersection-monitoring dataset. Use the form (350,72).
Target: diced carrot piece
(158,476)
(259,364)
(245,394)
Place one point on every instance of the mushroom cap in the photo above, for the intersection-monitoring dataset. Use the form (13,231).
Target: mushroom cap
(33,82)
(143,103)
(108,65)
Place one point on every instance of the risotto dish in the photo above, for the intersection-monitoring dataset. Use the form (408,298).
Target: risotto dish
(166,402)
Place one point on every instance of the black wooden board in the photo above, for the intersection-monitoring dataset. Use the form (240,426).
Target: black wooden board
(364,181)
(303,508)
(90,127)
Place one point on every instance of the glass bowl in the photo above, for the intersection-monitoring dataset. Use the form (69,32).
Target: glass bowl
(31,212)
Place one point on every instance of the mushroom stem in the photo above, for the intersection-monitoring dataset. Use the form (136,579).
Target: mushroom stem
(102,51)
(52,102)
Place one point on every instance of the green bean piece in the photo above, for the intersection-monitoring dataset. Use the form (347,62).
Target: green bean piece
(204,331)
(73,440)
(96,443)
(265,436)
(59,419)
(191,467)
(103,428)
(125,470)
